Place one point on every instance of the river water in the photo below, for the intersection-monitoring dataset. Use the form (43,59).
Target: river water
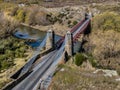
(24,32)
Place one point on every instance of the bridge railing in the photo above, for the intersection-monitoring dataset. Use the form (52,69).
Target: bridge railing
(72,31)
(81,29)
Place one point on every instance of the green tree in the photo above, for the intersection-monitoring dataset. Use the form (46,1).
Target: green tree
(74,23)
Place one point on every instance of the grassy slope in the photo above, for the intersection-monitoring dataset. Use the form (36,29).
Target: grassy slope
(106,48)
(75,78)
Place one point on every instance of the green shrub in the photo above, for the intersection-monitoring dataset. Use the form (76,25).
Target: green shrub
(61,15)
(92,60)
(74,23)
(3,57)
(6,64)
(79,58)
(34,2)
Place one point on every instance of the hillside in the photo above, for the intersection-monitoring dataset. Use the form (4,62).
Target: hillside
(61,3)
(100,69)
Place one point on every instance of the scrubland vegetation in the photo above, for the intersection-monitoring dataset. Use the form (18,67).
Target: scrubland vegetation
(13,55)
(107,21)
(105,41)
(102,49)
(7,25)
(11,48)
(75,78)
(30,15)
(37,15)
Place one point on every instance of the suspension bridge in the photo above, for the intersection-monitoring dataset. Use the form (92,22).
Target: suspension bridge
(39,74)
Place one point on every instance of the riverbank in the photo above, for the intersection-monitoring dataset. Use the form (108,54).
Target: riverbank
(57,28)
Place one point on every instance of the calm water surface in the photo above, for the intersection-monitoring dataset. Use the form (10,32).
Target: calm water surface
(24,32)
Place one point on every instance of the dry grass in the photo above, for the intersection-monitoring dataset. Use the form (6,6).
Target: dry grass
(78,78)
(5,76)
(75,78)
(105,48)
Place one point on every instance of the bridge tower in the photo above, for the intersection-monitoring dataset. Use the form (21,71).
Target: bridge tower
(88,15)
(88,29)
(50,42)
(69,43)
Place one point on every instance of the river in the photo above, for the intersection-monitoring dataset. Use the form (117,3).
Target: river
(24,32)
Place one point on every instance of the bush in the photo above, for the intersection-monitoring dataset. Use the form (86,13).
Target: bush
(20,15)
(107,21)
(61,15)
(6,64)
(92,60)
(74,23)
(79,58)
